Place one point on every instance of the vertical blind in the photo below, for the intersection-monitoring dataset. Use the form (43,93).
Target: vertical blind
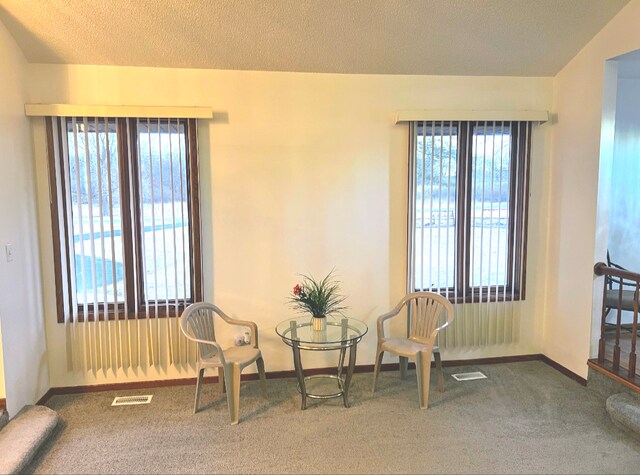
(126,237)
(468,198)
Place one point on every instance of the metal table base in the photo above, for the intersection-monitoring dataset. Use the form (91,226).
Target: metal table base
(344,382)
(342,335)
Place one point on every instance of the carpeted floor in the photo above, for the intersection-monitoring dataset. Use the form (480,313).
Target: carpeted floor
(525,418)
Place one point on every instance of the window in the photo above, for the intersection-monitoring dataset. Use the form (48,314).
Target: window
(468,196)
(125,217)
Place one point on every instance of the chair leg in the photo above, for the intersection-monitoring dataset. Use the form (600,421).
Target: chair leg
(423,371)
(221,379)
(198,389)
(436,355)
(263,376)
(376,369)
(404,366)
(232,380)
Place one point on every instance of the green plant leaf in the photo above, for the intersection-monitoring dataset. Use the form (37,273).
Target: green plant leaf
(319,297)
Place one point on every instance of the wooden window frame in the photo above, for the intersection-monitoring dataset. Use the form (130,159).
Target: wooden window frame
(514,288)
(134,305)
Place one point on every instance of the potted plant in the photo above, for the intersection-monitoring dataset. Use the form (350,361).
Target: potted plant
(318,297)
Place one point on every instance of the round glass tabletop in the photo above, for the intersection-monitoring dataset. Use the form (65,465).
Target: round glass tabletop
(339,330)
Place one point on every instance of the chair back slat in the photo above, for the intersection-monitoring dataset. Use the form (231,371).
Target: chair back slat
(199,324)
(425,310)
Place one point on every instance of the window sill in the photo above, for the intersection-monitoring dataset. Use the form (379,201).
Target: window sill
(143,313)
(476,296)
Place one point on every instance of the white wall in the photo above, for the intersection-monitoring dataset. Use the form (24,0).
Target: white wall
(299,173)
(578,95)
(624,219)
(26,372)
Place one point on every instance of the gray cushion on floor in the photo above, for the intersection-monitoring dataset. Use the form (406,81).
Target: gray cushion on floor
(23,435)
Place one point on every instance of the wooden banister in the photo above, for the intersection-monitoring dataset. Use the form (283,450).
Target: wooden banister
(602,269)
(622,303)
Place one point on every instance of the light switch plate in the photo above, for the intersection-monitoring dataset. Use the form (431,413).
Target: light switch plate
(9,250)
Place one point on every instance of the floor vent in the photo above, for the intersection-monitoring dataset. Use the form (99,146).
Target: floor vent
(131,400)
(469,376)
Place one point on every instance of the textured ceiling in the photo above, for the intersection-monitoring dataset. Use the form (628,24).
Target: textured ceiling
(453,37)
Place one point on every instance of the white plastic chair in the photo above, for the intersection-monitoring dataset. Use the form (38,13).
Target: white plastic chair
(197,323)
(423,311)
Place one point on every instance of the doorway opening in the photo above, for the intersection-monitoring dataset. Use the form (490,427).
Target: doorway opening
(615,298)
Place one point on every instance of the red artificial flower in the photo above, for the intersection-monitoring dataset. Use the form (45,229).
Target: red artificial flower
(297,290)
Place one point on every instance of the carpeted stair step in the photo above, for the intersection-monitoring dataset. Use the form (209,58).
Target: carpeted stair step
(624,410)
(21,438)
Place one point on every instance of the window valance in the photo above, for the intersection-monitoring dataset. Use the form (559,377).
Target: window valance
(79,110)
(472,115)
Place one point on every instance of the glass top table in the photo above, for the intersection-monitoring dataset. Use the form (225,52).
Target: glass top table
(341,333)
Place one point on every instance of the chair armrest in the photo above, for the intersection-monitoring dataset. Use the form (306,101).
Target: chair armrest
(250,325)
(243,323)
(383,318)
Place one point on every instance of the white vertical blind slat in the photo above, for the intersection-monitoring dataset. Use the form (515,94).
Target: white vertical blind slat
(492,244)
(152,330)
(459,272)
(59,170)
(105,341)
(182,177)
(411,220)
(142,253)
(447,267)
(97,354)
(523,227)
(155,256)
(500,308)
(436,222)
(439,215)
(79,208)
(61,130)
(133,125)
(472,237)
(514,240)
(72,318)
(527,142)
(164,245)
(117,357)
(133,328)
(431,227)
(467,310)
(481,253)
(175,342)
(85,338)
(422,254)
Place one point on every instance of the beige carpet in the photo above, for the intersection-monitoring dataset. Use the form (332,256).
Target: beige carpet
(525,418)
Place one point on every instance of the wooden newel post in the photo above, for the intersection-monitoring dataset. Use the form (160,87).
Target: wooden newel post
(634,333)
(597,269)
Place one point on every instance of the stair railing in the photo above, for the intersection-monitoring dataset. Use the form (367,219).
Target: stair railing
(618,300)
